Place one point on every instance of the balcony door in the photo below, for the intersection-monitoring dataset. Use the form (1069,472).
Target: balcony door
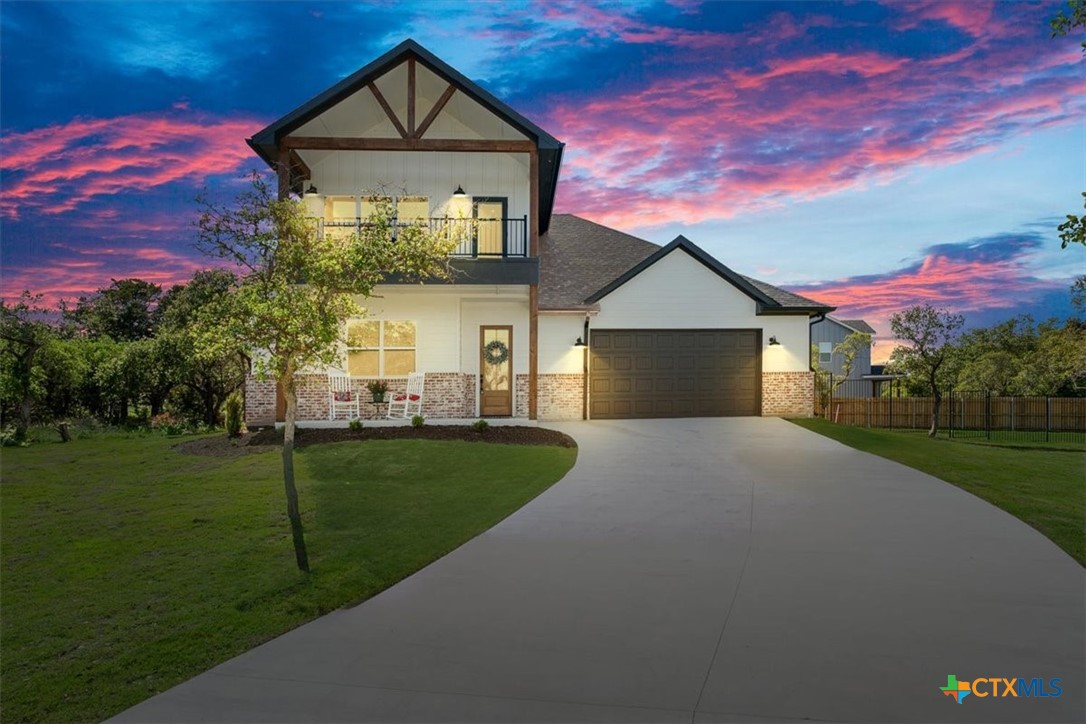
(490,214)
(496,371)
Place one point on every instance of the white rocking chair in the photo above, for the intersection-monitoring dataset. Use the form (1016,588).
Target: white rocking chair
(341,396)
(406,404)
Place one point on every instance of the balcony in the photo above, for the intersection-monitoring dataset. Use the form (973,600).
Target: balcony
(483,238)
(489,250)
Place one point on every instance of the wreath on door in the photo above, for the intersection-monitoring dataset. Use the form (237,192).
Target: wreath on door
(495,352)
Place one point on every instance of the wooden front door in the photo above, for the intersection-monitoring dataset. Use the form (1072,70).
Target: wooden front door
(496,371)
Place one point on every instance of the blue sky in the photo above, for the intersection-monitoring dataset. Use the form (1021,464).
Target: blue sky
(871,155)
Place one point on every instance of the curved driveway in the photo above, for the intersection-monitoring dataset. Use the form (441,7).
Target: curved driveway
(692,570)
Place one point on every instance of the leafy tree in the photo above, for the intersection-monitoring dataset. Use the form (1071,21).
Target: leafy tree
(23,334)
(931,334)
(1073,231)
(203,381)
(1056,366)
(1063,24)
(849,349)
(124,311)
(297,290)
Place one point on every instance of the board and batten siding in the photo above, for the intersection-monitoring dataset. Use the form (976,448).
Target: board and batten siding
(679,292)
(447,323)
(434,175)
(557,334)
(829,330)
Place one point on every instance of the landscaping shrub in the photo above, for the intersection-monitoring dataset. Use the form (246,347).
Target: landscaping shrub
(418,421)
(355,425)
(232,411)
(480,426)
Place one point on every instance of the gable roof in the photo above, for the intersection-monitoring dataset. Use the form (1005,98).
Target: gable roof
(265,142)
(854,325)
(580,262)
(769,299)
(857,325)
(578,257)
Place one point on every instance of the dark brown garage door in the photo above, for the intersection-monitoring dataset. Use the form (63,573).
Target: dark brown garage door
(675,373)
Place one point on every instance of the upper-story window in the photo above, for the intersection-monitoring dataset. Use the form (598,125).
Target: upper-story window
(825,353)
(378,348)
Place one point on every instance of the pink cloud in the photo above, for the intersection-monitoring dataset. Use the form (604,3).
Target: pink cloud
(698,148)
(57,169)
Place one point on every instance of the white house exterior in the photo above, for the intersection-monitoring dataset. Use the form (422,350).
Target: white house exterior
(664,331)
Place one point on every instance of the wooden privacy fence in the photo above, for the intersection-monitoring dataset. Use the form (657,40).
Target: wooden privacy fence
(965,413)
(1053,414)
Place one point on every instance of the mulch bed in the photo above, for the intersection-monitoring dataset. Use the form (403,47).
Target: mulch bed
(263,440)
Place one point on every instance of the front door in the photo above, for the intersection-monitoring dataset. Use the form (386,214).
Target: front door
(496,371)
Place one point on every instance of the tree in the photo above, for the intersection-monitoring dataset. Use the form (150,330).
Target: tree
(124,311)
(931,334)
(1063,24)
(203,382)
(1073,231)
(23,334)
(297,291)
(849,349)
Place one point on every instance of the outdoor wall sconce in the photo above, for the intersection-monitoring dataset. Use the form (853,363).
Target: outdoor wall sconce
(773,341)
(579,343)
(459,191)
(311,191)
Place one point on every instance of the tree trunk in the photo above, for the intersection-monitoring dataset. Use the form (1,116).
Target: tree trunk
(25,367)
(293,512)
(937,403)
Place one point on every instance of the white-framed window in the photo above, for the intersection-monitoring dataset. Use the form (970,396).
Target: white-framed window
(825,353)
(380,348)
(413,209)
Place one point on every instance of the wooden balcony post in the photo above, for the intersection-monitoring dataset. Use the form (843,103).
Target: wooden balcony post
(533,290)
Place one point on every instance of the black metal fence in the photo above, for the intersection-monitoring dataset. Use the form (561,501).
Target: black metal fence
(482,237)
(883,404)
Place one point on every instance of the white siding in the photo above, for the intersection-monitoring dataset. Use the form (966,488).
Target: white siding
(679,292)
(557,333)
(447,321)
(436,175)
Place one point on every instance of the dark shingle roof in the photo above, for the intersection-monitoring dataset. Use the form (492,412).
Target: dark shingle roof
(578,257)
(783,297)
(858,324)
(581,261)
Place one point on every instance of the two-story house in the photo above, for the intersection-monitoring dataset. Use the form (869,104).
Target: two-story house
(829,332)
(549,316)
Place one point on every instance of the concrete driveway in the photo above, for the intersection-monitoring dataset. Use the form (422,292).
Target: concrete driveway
(712,570)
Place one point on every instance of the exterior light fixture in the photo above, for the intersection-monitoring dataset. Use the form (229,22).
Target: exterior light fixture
(579,343)
(773,341)
(311,191)
(459,191)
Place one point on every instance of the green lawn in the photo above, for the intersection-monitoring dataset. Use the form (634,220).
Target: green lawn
(128,567)
(1046,488)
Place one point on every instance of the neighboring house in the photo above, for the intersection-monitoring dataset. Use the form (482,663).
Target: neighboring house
(663,331)
(827,333)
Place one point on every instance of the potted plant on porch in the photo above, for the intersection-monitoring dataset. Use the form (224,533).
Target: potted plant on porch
(377,388)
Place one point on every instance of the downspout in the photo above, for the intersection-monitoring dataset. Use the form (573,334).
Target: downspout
(584,382)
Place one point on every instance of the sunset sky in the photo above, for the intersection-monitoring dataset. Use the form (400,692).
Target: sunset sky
(869,155)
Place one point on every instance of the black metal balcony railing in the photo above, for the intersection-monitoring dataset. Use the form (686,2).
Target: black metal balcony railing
(476,238)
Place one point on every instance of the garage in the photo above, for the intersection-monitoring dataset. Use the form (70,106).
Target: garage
(674,373)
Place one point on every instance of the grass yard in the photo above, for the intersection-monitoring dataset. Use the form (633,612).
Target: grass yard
(128,567)
(1046,488)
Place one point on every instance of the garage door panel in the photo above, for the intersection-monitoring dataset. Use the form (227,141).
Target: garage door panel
(671,373)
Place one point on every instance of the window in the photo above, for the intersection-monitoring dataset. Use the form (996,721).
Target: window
(413,209)
(380,348)
(825,353)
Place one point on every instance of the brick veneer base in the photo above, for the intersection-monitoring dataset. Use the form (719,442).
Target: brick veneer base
(451,395)
(787,394)
(561,397)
